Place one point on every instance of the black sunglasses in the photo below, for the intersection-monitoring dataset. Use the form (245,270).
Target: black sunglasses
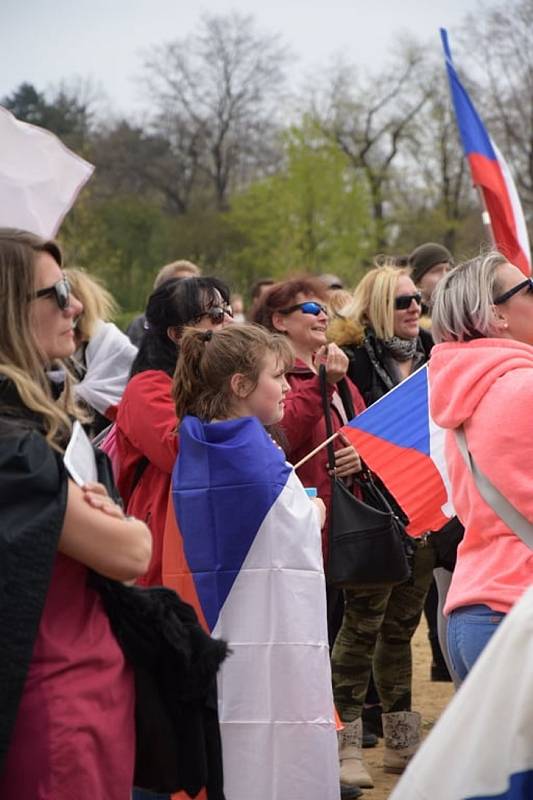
(216,314)
(60,291)
(309,307)
(403,301)
(506,295)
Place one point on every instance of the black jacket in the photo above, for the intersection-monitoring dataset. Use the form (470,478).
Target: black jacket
(33,494)
(370,366)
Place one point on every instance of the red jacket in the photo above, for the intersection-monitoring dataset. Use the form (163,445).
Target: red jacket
(304,426)
(146,427)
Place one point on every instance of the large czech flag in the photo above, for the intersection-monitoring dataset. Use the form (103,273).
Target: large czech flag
(491,173)
(482,746)
(243,545)
(400,442)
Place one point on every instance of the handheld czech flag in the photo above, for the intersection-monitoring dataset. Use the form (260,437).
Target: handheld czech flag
(490,172)
(399,441)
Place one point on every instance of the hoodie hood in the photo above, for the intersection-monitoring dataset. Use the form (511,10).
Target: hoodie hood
(461,374)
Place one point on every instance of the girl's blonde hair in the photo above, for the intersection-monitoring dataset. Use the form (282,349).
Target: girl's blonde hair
(20,361)
(373,300)
(98,303)
(209,359)
(464,298)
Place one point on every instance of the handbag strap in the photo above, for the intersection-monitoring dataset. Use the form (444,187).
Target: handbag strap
(493,497)
(326,407)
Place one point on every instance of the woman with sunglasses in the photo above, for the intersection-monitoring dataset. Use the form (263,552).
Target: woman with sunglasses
(66,694)
(481,375)
(145,431)
(297,308)
(379,332)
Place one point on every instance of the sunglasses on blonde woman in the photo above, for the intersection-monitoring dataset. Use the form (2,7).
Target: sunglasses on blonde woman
(60,291)
(403,301)
(507,295)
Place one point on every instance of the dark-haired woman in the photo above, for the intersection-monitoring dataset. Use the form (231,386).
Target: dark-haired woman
(146,421)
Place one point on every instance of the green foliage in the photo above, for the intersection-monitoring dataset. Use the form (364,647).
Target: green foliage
(64,114)
(313,215)
(121,240)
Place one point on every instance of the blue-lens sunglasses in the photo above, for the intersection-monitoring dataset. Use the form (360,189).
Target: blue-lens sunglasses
(309,307)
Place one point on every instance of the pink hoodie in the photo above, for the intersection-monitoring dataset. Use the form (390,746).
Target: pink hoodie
(487,385)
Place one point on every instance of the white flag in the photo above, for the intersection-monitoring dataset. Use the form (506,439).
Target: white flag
(40,178)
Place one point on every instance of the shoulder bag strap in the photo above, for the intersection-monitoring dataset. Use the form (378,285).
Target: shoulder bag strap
(346,398)
(493,497)
(327,414)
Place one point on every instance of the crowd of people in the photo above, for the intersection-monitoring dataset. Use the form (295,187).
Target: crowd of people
(67,691)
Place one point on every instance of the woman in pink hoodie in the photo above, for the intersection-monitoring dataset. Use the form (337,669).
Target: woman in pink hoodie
(481,377)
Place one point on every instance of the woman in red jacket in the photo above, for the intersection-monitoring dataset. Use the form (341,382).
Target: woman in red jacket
(146,419)
(298,309)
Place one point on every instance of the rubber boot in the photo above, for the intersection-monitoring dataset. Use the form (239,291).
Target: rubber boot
(353,771)
(401,731)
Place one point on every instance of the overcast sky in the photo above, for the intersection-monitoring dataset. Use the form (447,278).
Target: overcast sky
(46,41)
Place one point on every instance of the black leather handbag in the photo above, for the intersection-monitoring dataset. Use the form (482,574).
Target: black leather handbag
(367,539)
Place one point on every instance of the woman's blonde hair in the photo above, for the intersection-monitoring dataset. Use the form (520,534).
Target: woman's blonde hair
(372,302)
(209,359)
(20,359)
(98,303)
(463,300)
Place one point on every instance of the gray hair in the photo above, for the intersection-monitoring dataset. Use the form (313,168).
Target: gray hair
(463,300)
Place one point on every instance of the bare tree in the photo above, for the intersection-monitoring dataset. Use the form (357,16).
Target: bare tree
(130,160)
(434,180)
(223,85)
(370,119)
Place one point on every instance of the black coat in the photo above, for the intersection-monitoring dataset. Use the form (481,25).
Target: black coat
(33,493)
(370,369)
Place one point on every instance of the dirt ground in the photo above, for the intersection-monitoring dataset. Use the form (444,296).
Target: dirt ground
(428,698)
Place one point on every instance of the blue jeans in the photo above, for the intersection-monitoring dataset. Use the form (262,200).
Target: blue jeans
(469,630)
(142,794)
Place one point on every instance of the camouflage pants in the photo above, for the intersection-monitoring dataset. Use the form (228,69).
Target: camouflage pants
(376,633)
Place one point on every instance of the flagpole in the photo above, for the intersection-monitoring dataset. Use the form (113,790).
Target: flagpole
(316,450)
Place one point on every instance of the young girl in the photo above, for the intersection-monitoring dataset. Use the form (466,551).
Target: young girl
(246,551)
